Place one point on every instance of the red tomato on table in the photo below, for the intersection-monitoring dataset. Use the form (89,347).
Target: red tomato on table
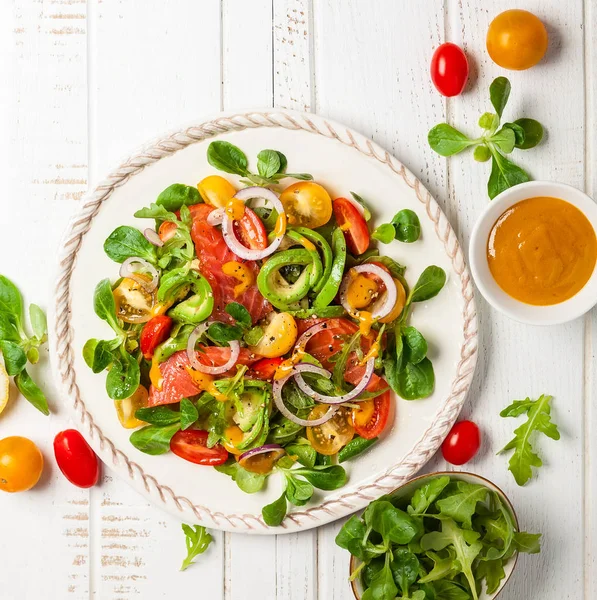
(76,459)
(462,443)
(449,69)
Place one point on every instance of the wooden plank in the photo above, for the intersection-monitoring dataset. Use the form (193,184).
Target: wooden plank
(43,148)
(153,66)
(520,360)
(371,62)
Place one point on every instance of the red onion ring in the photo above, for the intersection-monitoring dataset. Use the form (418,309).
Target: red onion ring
(383,306)
(152,237)
(228,224)
(262,450)
(277,391)
(198,366)
(215,217)
(126,270)
(304,387)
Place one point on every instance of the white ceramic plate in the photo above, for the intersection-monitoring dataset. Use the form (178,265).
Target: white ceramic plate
(342,160)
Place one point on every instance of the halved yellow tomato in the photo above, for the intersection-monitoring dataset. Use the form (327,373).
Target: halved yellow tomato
(126,409)
(279,336)
(307,204)
(216,191)
(134,303)
(332,436)
(399,306)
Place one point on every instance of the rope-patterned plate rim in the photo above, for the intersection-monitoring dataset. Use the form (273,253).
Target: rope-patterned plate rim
(63,352)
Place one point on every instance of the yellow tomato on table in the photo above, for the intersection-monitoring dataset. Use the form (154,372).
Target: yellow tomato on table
(21,464)
(516,40)
(307,204)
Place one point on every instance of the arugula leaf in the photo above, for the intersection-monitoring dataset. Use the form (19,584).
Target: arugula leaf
(499,92)
(539,420)
(274,513)
(178,195)
(529,543)
(444,567)
(425,495)
(197,540)
(493,573)
(222,333)
(127,242)
(156,211)
(461,506)
(31,391)
(226,157)
(154,440)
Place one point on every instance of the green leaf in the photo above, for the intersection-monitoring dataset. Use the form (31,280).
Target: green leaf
(155,211)
(38,321)
(11,302)
(446,140)
(448,590)
(197,540)
(499,92)
(228,158)
(444,567)
(489,121)
(482,153)
(465,543)
(519,133)
(104,304)
(462,505)
(188,413)
(405,569)
(31,391)
(504,174)
(299,176)
(539,420)
(98,354)
(351,537)
(416,382)
(390,522)
(305,453)
(177,195)
(385,233)
(248,482)
(253,336)
(415,345)
(240,314)
(283,162)
(529,543)
(128,242)
(429,284)
(268,163)
(426,494)
(493,573)
(396,269)
(407,226)
(123,377)
(274,513)
(158,415)
(382,586)
(298,492)
(364,205)
(533,133)
(325,477)
(8,328)
(504,139)
(222,333)
(153,439)
(15,358)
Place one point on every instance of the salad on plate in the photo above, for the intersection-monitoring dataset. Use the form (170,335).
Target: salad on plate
(258,328)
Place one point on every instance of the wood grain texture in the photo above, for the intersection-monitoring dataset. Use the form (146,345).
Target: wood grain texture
(84,82)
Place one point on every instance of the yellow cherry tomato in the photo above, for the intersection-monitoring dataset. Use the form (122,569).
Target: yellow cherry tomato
(399,306)
(332,436)
(216,191)
(4,387)
(21,464)
(516,40)
(307,204)
(279,336)
(126,409)
(134,304)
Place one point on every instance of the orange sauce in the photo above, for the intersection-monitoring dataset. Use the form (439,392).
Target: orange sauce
(542,251)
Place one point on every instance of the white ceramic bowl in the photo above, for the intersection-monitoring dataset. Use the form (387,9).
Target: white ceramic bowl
(515,309)
(407,488)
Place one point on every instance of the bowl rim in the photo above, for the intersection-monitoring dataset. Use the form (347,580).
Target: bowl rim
(553,314)
(503,496)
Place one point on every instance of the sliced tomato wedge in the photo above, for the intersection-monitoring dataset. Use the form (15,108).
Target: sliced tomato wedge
(352,223)
(167,230)
(265,368)
(192,446)
(155,331)
(250,231)
(371,418)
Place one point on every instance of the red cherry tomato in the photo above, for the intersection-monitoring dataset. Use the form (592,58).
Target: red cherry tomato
(462,443)
(167,230)
(250,231)
(76,459)
(155,332)
(265,368)
(192,446)
(371,418)
(449,69)
(353,225)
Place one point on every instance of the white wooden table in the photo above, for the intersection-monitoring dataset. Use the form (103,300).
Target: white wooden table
(83,82)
